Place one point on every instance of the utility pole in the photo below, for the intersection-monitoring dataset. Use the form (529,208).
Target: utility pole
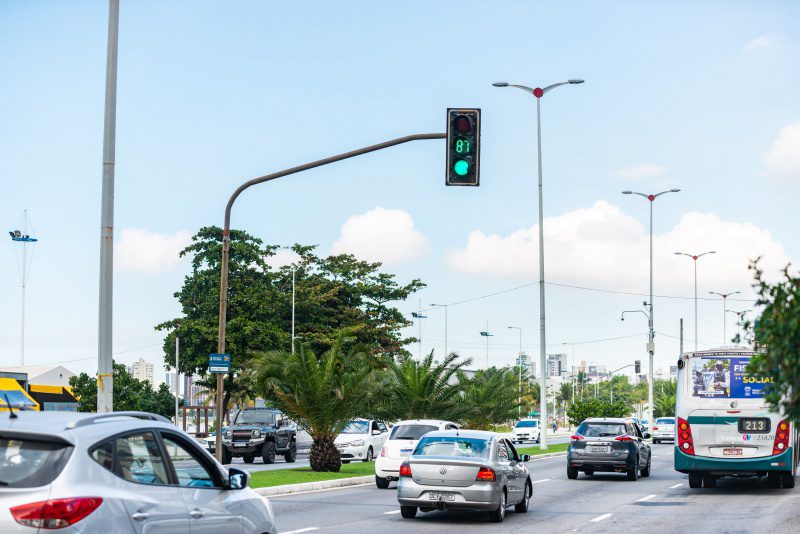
(177,374)
(293,282)
(418,315)
(105,370)
(519,366)
(681,335)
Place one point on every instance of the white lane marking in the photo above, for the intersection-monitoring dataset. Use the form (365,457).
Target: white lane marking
(298,531)
(392,512)
(537,481)
(676,486)
(643,499)
(601,517)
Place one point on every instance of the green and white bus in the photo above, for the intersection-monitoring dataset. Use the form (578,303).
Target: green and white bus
(723,426)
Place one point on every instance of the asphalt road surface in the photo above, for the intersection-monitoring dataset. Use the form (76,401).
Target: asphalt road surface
(602,503)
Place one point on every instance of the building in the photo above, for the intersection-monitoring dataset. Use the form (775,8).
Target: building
(557,365)
(141,369)
(45,375)
(53,398)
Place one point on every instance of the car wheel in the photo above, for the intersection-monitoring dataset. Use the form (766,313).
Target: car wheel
(646,471)
(369,455)
(408,512)
(633,472)
(787,480)
(709,481)
(572,473)
(248,458)
(291,455)
(695,480)
(655,441)
(497,516)
(268,452)
(382,483)
(774,479)
(522,506)
(226,457)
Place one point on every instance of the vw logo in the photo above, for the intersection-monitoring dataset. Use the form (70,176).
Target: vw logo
(442,470)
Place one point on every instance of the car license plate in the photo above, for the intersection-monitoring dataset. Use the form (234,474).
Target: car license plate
(601,448)
(441,496)
(732,452)
(240,444)
(405,452)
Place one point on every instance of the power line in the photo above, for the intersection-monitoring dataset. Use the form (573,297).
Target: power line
(95,357)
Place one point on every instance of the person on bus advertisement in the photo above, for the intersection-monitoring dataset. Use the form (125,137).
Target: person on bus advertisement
(721,378)
(725,378)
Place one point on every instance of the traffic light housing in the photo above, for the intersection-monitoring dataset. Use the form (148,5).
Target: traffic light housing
(463,146)
(637,366)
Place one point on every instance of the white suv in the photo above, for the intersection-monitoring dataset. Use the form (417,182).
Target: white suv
(401,443)
(361,440)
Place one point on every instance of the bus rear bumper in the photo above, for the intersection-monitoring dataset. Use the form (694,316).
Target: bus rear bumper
(685,463)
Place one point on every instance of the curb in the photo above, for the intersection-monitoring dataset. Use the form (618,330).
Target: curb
(313,486)
(547,455)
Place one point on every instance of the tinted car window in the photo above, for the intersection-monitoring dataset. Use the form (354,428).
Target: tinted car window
(188,469)
(381,426)
(512,451)
(411,431)
(527,424)
(503,451)
(138,459)
(27,463)
(452,446)
(250,417)
(356,427)
(600,430)
(665,421)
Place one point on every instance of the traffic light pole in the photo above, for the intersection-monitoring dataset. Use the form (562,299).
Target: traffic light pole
(226,243)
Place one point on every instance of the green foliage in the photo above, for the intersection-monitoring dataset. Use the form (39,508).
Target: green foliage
(130,394)
(491,396)
(664,395)
(777,336)
(582,409)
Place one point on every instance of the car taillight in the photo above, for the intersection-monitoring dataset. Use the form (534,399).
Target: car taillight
(655,428)
(486,474)
(55,513)
(576,437)
(685,442)
(625,438)
(405,470)
(781,438)
(383,452)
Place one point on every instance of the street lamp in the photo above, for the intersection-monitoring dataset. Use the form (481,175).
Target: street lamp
(538,92)
(22,238)
(445,325)
(487,335)
(651,346)
(519,366)
(418,315)
(724,311)
(572,371)
(695,257)
(739,315)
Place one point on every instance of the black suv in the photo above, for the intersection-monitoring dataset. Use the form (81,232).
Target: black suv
(263,432)
(616,445)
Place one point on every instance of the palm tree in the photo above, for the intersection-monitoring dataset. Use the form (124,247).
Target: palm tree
(491,397)
(665,393)
(424,389)
(321,393)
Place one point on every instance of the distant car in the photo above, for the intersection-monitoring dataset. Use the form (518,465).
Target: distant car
(664,429)
(401,442)
(263,432)
(615,445)
(464,470)
(120,472)
(526,430)
(361,440)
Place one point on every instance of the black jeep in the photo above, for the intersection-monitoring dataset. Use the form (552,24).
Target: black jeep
(263,432)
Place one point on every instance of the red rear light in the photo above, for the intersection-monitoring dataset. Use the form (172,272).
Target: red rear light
(55,513)
(655,428)
(486,474)
(383,451)
(576,437)
(405,470)
(685,442)
(781,443)
(624,438)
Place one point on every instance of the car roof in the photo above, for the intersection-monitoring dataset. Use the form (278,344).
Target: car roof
(473,434)
(607,420)
(435,422)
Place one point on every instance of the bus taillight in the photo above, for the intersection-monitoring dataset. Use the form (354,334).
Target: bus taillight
(685,442)
(781,438)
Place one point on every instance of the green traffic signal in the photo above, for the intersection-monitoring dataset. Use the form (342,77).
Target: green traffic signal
(461,167)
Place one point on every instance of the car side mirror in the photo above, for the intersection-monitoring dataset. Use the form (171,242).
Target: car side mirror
(376,432)
(238,479)
(646,435)
(525,458)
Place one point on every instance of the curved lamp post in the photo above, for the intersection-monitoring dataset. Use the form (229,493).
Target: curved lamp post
(724,312)
(695,257)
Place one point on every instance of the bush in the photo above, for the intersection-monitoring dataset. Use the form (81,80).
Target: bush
(583,409)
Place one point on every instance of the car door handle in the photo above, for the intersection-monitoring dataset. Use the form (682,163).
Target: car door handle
(196,514)
(140,516)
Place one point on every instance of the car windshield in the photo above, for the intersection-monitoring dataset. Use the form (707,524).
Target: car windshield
(26,463)
(665,421)
(258,417)
(526,424)
(601,430)
(356,427)
(411,431)
(452,446)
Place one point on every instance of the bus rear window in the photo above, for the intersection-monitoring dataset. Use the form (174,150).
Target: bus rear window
(724,377)
(28,463)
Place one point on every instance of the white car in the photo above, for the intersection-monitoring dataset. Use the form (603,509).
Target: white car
(361,439)
(403,439)
(664,429)
(526,430)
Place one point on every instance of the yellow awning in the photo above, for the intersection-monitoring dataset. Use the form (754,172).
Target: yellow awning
(10,388)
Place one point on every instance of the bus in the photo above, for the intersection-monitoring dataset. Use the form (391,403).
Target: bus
(723,425)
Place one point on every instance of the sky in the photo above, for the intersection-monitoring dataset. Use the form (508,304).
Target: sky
(699,95)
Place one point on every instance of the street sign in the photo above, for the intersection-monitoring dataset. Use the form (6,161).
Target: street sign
(219,363)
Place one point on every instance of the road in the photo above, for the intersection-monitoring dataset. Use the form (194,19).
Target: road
(602,503)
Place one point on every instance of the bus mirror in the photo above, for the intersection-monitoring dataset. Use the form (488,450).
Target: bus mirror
(681,363)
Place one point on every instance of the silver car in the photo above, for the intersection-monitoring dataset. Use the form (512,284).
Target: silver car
(664,429)
(118,472)
(464,470)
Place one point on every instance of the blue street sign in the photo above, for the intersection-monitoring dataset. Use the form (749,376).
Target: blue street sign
(219,363)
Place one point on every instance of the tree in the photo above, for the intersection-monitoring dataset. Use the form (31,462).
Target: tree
(130,394)
(585,408)
(320,393)
(491,398)
(777,337)
(664,393)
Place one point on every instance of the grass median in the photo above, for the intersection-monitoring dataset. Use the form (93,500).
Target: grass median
(299,475)
(535,450)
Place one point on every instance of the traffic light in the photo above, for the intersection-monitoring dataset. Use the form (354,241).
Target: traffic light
(463,146)
(637,366)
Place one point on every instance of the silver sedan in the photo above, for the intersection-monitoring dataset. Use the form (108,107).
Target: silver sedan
(464,470)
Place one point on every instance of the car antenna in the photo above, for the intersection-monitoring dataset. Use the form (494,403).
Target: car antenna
(12,415)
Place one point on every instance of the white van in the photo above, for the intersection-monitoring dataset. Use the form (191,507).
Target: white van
(723,426)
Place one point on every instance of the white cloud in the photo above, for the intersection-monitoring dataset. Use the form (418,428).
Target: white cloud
(383,235)
(139,250)
(639,172)
(758,43)
(603,247)
(282,258)
(783,160)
